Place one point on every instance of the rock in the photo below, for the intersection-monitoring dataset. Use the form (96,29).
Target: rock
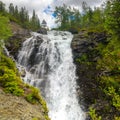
(42,31)
(73,30)
(84,45)
(84,42)
(17,108)
(23,73)
(14,43)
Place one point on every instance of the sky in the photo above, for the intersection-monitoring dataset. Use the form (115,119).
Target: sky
(44,8)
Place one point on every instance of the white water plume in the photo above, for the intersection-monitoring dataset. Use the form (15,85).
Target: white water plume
(49,66)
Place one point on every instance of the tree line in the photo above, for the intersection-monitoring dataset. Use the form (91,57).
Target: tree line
(20,16)
(72,18)
(105,17)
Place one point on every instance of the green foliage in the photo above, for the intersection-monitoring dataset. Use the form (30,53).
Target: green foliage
(20,16)
(8,77)
(83,58)
(68,18)
(5,31)
(12,87)
(117,118)
(11,83)
(2,7)
(33,96)
(6,61)
(115,97)
(35,119)
(93,115)
(113,16)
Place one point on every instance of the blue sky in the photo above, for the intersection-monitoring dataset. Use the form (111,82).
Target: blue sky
(45,8)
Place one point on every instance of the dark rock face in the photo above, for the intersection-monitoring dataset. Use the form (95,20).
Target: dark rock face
(85,44)
(14,43)
(42,31)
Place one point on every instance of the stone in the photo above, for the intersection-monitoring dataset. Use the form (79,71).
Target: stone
(84,43)
(42,31)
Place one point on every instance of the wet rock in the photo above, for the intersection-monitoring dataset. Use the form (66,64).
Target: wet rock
(23,73)
(42,31)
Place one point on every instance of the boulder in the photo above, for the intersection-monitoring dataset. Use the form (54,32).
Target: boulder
(42,31)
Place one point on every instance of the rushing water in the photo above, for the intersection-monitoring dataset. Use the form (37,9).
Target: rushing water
(49,66)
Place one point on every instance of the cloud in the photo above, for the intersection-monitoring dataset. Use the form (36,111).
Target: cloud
(45,8)
(48,10)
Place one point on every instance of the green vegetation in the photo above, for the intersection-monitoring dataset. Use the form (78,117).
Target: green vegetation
(93,115)
(10,80)
(8,77)
(5,31)
(71,19)
(113,17)
(11,83)
(20,16)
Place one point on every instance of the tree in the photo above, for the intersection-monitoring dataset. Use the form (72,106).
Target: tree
(16,12)
(67,17)
(2,7)
(113,16)
(34,22)
(11,9)
(84,7)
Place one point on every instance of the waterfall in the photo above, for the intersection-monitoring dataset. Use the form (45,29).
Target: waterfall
(49,66)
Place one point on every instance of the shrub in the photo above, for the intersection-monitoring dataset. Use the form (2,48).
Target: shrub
(93,115)
(115,97)
(12,87)
(33,96)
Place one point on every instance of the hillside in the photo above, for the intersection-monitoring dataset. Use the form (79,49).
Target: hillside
(17,108)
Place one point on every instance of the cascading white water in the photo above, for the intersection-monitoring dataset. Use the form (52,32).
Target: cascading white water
(49,65)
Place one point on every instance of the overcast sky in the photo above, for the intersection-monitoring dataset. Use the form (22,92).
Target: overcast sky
(44,8)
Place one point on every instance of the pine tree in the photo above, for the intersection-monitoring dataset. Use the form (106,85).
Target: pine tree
(2,7)
(11,9)
(113,16)
(16,12)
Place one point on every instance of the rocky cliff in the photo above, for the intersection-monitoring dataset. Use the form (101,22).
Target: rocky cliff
(14,43)
(86,52)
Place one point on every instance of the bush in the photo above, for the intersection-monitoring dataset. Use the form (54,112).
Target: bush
(115,97)
(6,61)
(10,82)
(93,115)
(12,87)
